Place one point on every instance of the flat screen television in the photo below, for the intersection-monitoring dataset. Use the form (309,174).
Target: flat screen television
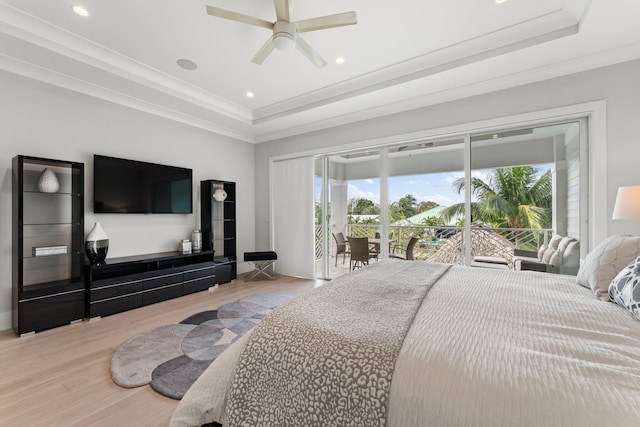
(130,186)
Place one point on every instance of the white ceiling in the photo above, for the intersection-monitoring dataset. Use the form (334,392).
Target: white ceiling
(401,55)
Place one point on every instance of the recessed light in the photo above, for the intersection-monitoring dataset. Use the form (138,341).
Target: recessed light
(340,60)
(80,10)
(494,136)
(249,94)
(187,64)
(501,1)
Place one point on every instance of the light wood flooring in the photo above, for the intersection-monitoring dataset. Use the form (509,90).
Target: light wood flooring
(61,377)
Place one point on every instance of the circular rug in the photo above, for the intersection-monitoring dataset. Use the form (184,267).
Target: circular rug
(170,358)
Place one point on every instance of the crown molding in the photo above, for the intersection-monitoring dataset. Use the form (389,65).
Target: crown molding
(604,58)
(48,76)
(45,35)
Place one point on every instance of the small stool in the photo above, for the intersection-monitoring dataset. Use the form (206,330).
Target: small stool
(261,262)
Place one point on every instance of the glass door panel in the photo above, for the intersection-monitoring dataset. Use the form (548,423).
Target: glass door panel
(424,201)
(347,198)
(525,187)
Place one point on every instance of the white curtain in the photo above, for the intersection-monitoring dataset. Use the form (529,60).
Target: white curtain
(293,217)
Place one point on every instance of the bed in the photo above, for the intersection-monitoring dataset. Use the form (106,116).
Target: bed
(481,347)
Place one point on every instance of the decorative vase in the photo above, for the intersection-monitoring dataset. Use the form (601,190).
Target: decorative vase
(97,245)
(220,195)
(196,240)
(48,182)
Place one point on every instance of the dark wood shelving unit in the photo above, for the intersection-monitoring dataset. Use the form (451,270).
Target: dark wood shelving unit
(218,225)
(48,290)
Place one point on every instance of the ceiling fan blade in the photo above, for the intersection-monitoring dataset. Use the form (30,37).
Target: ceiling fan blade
(309,52)
(282,9)
(264,51)
(329,21)
(235,16)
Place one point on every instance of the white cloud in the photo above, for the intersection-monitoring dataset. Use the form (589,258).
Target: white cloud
(369,181)
(353,192)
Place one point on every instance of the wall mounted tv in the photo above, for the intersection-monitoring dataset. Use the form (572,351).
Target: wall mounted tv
(130,186)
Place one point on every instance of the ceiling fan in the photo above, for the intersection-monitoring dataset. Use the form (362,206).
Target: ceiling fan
(286,34)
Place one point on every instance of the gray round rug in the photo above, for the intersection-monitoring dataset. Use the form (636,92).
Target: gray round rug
(170,358)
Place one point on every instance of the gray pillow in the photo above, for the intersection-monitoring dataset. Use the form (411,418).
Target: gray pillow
(605,261)
(624,290)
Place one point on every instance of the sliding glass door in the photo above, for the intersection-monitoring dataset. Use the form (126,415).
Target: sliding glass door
(526,188)
(471,199)
(421,177)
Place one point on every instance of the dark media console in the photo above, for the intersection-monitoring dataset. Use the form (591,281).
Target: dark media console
(131,282)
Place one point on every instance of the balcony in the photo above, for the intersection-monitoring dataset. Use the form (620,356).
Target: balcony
(444,243)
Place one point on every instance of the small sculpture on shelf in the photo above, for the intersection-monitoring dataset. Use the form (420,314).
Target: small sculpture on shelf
(220,195)
(97,245)
(48,182)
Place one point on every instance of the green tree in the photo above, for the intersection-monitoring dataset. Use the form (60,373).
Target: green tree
(515,197)
(432,221)
(426,206)
(363,206)
(403,208)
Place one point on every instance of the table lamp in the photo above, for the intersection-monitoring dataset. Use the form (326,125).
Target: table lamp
(627,203)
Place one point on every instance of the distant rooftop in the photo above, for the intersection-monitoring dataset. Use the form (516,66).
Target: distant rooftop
(418,219)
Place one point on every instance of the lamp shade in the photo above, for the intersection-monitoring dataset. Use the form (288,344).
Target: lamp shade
(627,203)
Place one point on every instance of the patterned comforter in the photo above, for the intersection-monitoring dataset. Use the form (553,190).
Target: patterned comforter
(484,348)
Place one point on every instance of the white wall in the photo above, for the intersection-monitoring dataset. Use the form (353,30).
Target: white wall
(619,85)
(45,121)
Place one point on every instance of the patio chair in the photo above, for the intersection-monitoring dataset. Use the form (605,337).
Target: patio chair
(360,252)
(376,246)
(408,253)
(341,246)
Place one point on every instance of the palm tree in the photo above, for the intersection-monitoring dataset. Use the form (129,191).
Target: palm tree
(515,197)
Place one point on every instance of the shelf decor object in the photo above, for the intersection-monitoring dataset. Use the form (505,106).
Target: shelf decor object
(97,245)
(47,239)
(218,225)
(220,195)
(49,250)
(48,182)
(196,240)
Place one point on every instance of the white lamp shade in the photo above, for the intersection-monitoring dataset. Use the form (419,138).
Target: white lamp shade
(627,203)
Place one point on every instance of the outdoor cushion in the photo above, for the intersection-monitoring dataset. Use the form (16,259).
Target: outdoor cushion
(555,241)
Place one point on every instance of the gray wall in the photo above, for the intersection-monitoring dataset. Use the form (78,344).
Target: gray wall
(619,85)
(45,121)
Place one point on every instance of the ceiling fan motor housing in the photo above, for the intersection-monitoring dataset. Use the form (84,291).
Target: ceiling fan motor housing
(284,35)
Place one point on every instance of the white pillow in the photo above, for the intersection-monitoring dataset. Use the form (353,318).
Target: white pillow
(624,290)
(605,261)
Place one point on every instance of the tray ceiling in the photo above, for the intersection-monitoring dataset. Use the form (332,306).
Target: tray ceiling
(400,55)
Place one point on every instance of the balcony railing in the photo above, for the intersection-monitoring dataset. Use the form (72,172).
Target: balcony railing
(485,241)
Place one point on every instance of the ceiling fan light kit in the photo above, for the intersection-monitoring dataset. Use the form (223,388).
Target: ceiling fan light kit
(286,33)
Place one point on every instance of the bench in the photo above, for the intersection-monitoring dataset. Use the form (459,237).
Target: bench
(261,262)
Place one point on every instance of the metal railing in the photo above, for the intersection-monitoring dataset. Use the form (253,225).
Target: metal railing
(446,243)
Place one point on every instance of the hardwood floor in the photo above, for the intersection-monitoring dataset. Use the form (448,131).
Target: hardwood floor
(61,377)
